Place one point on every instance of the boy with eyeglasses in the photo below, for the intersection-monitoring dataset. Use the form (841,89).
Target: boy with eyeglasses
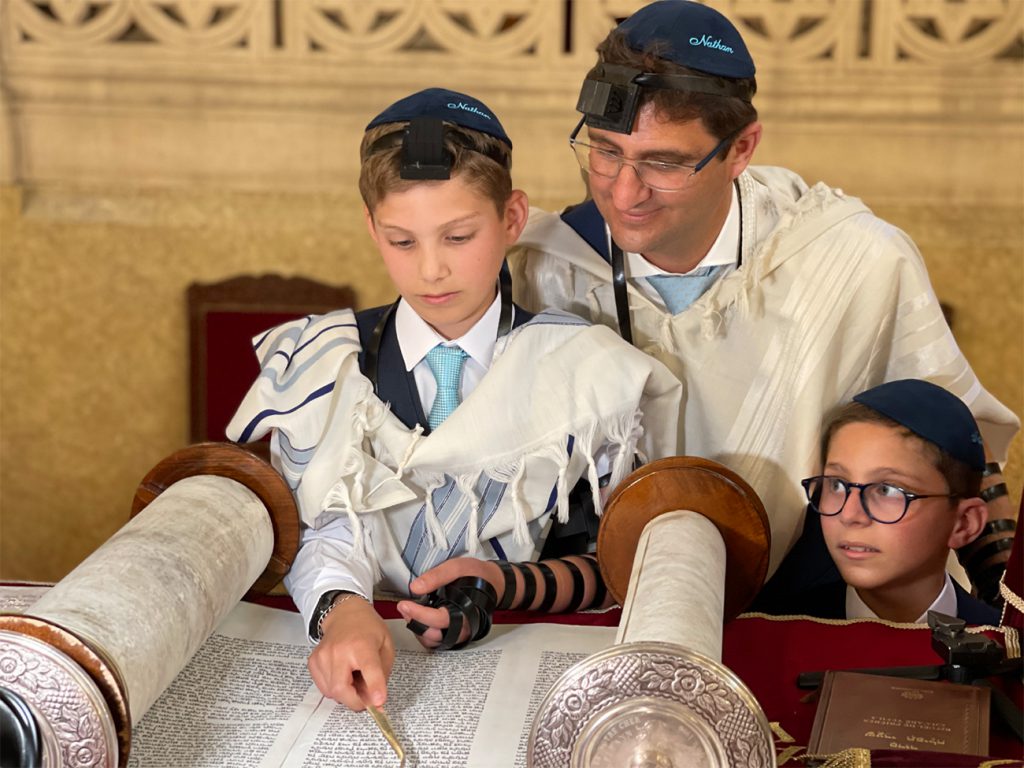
(433,444)
(900,483)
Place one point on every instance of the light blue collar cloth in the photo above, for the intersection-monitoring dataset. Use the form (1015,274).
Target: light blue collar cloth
(680,291)
(446,364)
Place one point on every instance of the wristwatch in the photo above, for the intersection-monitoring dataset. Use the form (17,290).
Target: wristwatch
(323,607)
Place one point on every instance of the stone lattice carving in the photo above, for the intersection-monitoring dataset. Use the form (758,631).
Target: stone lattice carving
(797,33)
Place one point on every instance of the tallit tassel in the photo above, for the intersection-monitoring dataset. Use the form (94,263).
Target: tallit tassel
(627,435)
(521,531)
(467,486)
(710,322)
(595,481)
(560,487)
(437,537)
(407,456)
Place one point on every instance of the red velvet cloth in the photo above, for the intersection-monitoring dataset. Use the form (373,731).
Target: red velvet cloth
(1014,576)
(767,654)
(231,365)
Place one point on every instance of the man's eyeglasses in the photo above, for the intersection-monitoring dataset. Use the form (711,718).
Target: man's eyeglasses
(658,175)
(883,502)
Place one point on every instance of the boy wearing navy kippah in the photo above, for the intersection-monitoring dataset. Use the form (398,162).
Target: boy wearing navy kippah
(432,444)
(899,488)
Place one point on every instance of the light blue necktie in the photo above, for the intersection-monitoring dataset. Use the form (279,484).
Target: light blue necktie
(680,291)
(446,365)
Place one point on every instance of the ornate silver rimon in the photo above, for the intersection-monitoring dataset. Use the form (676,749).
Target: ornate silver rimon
(76,725)
(650,705)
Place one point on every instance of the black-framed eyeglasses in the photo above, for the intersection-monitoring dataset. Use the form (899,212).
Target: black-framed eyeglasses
(658,175)
(883,502)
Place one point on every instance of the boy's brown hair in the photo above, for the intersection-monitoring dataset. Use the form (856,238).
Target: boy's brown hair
(963,481)
(380,171)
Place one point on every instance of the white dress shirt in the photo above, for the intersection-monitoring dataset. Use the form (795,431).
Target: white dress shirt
(944,603)
(416,338)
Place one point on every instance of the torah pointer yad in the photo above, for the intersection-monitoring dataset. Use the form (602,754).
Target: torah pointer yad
(382,721)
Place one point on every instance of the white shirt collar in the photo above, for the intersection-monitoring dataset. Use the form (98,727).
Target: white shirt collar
(723,250)
(944,603)
(416,337)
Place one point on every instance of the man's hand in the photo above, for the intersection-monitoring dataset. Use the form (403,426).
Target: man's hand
(436,619)
(353,661)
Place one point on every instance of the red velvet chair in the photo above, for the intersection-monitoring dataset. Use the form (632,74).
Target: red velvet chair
(223,318)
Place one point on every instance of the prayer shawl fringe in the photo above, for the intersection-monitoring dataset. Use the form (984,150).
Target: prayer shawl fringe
(345,454)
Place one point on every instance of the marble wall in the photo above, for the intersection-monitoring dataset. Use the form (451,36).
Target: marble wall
(145,145)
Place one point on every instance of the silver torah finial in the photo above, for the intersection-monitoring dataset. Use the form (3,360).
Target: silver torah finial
(660,697)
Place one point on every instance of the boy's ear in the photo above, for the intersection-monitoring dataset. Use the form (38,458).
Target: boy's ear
(971,516)
(369,223)
(517,210)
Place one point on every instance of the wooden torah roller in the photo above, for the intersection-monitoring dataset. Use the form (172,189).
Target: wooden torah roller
(683,545)
(208,523)
(699,485)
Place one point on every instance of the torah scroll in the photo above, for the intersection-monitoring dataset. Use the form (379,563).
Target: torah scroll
(106,640)
(683,546)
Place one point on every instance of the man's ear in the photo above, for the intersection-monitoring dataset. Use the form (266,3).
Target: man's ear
(971,516)
(517,210)
(741,153)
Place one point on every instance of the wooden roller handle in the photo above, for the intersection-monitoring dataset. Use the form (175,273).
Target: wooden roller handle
(698,485)
(236,463)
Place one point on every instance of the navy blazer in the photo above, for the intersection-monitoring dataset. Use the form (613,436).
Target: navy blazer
(829,602)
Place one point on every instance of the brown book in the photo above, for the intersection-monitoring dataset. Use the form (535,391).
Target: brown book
(878,712)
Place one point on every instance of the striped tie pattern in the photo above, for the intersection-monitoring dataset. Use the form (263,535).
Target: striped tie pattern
(446,365)
(680,291)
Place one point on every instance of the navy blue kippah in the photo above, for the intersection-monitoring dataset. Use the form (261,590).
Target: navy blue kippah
(691,35)
(451,106)
(932,413)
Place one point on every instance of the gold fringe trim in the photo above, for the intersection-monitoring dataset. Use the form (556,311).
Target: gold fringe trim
(848,758)
(847,622)
(1009,595)
(833,622)
(1011,642)
(1011,638)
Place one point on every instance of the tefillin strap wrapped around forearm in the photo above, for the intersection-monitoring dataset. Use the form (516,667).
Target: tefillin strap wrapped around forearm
(468,600)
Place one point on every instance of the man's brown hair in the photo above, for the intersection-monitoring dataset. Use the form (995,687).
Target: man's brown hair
(722,115)
(380,172)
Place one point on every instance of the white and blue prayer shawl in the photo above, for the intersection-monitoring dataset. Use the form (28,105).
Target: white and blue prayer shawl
(556,392)
(829,301)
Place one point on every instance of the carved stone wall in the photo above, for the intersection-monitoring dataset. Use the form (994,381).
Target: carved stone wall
(145,144)
(270,93)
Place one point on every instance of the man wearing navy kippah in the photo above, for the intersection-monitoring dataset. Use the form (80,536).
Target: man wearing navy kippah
(770,299)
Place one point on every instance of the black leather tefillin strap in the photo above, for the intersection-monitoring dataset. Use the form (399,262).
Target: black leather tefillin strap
(621,295)
(469,600)
(620,288)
